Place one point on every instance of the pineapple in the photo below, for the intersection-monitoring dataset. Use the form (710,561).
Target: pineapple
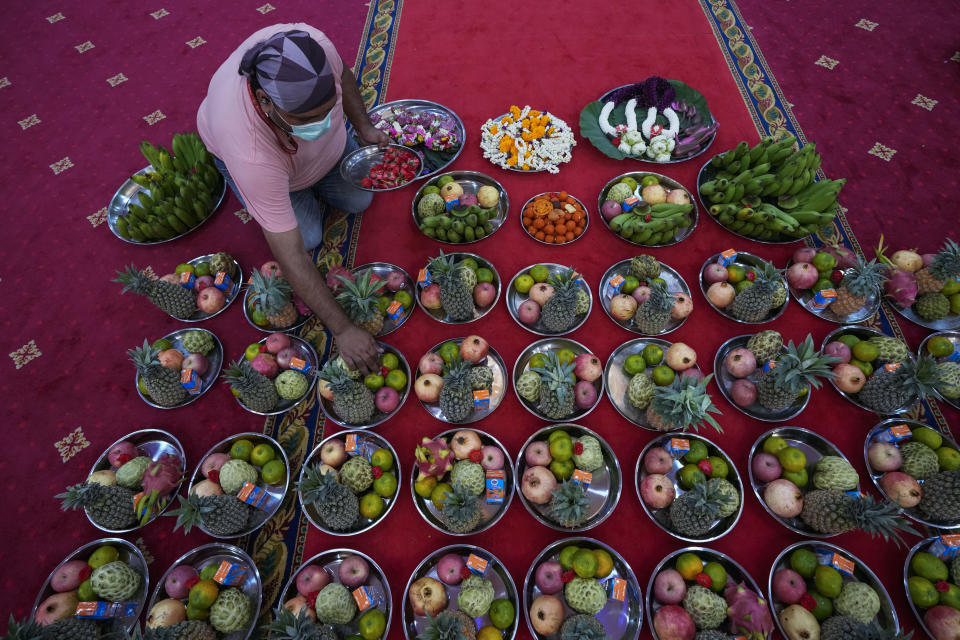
(945,267)
(644,267)
(556,388)
(559,313)
(162,384)
(256,392)
(857,285)
(183,630)
(940,498)
(568,506)
(456,294)
(456,395)
(273,295)
(352,400)
(652,317)
(449,624)
(886,391)
(694,513)
(754,303)
(793,374)
(221,515)
(359,301)
(684,404)
(831,511)
(110,506)
(337,505)
(583,627)
(172,298)
(460,510)
(296,626)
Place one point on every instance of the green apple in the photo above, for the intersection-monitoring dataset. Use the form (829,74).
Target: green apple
(252,351)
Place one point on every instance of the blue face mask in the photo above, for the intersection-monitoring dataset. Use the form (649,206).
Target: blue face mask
(310,131)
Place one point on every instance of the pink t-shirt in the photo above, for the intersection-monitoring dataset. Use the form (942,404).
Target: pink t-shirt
(264,173)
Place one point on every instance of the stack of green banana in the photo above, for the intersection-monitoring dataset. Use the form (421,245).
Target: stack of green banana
(652,224)
(178,192)
(768,191)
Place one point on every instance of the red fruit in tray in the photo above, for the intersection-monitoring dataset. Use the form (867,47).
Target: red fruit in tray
(568,576)
(376,472)
(836,276)
(476,455)
(704,580)
(808,602)
(464,572)
(705,467)
(578,449)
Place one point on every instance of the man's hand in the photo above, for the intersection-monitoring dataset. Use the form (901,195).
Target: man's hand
(371,135)
(358,349)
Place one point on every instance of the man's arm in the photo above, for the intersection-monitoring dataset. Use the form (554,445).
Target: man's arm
(355,111)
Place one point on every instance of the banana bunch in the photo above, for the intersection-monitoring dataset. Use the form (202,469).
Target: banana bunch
(768,191)
(176,194)
(651,224)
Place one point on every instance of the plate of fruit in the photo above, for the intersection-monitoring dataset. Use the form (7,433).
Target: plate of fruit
(647,209)
(836,293)
(457,288)
(820,590)
(549,299)
(377,296)
(434,131)
(924,289)
(178,368)
(915,467)
(570,477)
(944,346)
(111,570)
(554,217)
(269,304)
(238,486)
(274,375)
(462,481)
(132,482)
(582,588)
(689,487)
(460,207)
(696,591)
(460,591)
(364,474)
(743,287)
(931,575)
(461,380)
(350,401)
(374,169)
(645,296)
(213,591)
(546,381)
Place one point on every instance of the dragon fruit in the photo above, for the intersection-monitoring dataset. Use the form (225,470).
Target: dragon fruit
(333,282)
(434,458)
(161,478)
(748,613)
(900,285)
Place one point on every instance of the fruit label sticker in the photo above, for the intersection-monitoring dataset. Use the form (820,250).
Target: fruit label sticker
(452,201)
(365,597)
(891,366)
(395,310)
(614,285)
(896,433)
(946,547)
(105,610)
(769,364)
(841,564)
(354,444)
(298,364)
(190,381)
(678,447)
(822,299)
(496,486)
(223,281)
(477,564)
(955,356)
(187,279)
(481,399)
(617,589)
(581,477)
(255,496)
(855,494)
(423,278)
(630,203)
(727,257)
(230,575)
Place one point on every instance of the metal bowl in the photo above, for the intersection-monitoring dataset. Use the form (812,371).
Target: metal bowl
(950,323)
(605,483)
(622,619)
(670,184)
(661,517)
(490,512)
(515,299)
(471,181)
(434,108)
(276,491)
(367,443)
(814,447)
(383,269)
(586,222)
(675,284)
(545,346)
(299,322)
(379,417)
(495,572)
(756,411)
(357,164)
(213,554)
(153,443)
(129,553)
(929,546)
(440,315)
(497,391)
(230,296)
(745,260)
(207,380)
(616,380)
(129,193)
(867,311)
(954,337)
(308,354)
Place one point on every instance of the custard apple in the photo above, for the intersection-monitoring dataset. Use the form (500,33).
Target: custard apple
(291,384)
(469,474)
(130,475)
(833,472)
(707,609)
(859,601)
(231,611)
(585,595)
(591,457)
(640,391)
(198,342)
(335,605)
(528,386)
(431,204)
(357,474)
(234,474)
(476,595)
(115,581)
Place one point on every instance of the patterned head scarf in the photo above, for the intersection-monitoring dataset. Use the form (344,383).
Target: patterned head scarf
(292,68)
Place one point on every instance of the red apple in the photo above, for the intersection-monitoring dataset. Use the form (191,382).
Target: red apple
(431,363)
(266,365)
(766,467)
(658,460)
(715,272)
(528,312)
(693,373)
(849,377)
(584,394)
(640,294)
(213,462)
(333,453)
(396,281)
(884,456)
(67,576)
(484,294)
(657,491)
(312,579)
(743,392)
(387,399)
(804,254)
(549,577)
(271,268)
(206,488)
(211,300)
(838,350)
(285,356)
(673,623)
(669,587)
(943,622)
(588,367)
(354,570)
(277,342)
(176,583)
(449,568)
(196,361)
(116,453)
(901,488)
(492,457)
(537,454)
(427,387)
(788,586)
(430,297)
(474,349)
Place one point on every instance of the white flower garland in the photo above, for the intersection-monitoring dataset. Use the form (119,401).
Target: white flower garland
(660,142)
(544,153)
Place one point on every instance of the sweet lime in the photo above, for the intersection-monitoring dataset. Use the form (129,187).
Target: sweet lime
(828,581)
(539,273)
(484,275)
(718,575)
(634,364)
(585,563)
(273,472)
(386,485)
(562,469)
(537,360)
(792,458)
(373,381)
(849,340)
(502,613)
(203,594)
(698,451)
(629,284)
(566,557)
(397,379)
(372,624)
(689,565)
(261,455)
(523,283)
(372,506)
(184,268)
(663,375)
(804,562)
(566,356)
(743,284)
(719,467)
(103,555)
(202,269)
(939,347)
(604,563)
(865,351)
(824,261)
(241,450)
(489,632)
(438,494)
(735,273)
(922,591)
(404,298)
(948,458)
(649,180)
(799,478)
(824,607)
(773,444)
(928,436)
(163,344)
(424,488)
(558,434)
(382,458)
(652,355)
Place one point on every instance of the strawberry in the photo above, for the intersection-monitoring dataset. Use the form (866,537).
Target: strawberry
(476,455)
(263,348)
(751,276)
(808,602)
(578,449)
(214,476)
(464,572)
(705,466)
(195,579)
(85,573)
(942,586)
(567,576)
(376,472)
(704,580)
(312,596)
(123,459)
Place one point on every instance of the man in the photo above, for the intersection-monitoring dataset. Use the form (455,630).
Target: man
(274,120)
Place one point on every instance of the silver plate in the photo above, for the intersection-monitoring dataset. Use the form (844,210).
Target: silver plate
(496,573)
(276,491)
(586,224)
(426,106)
(514,169)
(756,411)
(439,314)
(616,380)
(497,391)
(682,232)
(745,260)
(606,482)
(545,346)
(867,311)
(515,299)
(620,620)
(214,363)
(305,352)
(814,447)
(383,269)
(887,618)
(720,526)
(675,284)
(378,417)
(299,322)
(213,554)
(949,323)
(129,193)
(470,181)
(490,512)
(200,316)
(356,166)
(370,443)
(918,611)
(129,553)
(153,443)
(954,337)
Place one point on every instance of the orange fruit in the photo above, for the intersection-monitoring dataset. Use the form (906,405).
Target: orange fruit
(689,565)
(203,594)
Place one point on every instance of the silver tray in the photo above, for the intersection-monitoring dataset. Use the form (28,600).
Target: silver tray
(305,352)
(129,193)
(954,337)
(949,323)
(605,486)
(515,299)
(682,232)
(814,446)
(869,309)
(214,362)
(471,181)
(496,573)
(154,443)
(918,612)
(378,417)
(661,517)
(129,553)
(276,491)
(440,315)
(621,620)
(426,106)
(300,321)
(544,346)
(745,260)
(383,269)
(371,442)
(586,223)
(675,284)
(490,513)
(357,164)
(215,553)
(230,296)
(616,380)
(497,391)
(725,381)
